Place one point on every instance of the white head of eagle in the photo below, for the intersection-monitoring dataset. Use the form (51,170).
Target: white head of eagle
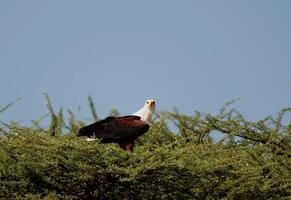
(122,130)
(146,112)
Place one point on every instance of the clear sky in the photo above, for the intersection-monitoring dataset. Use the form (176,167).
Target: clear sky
(192,55)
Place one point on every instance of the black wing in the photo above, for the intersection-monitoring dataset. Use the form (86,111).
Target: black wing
(116,129)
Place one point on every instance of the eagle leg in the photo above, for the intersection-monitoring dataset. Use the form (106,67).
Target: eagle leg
(127,146)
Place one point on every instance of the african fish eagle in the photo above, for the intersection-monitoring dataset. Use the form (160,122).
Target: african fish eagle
(122,130)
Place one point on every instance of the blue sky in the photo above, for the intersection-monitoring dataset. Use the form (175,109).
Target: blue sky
(192,55)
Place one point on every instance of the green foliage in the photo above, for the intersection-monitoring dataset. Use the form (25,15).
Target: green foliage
(54,118)
(37,122)
(9,105)
(92,108)
(114,112)
(252,161)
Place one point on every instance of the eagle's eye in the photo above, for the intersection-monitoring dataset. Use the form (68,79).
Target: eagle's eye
(147,102)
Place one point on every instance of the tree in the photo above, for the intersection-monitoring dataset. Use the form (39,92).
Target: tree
(252,161)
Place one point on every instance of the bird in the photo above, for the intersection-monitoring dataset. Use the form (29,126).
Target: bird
(122,130)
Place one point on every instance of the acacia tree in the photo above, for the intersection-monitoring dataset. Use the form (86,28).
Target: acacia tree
(251,161)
